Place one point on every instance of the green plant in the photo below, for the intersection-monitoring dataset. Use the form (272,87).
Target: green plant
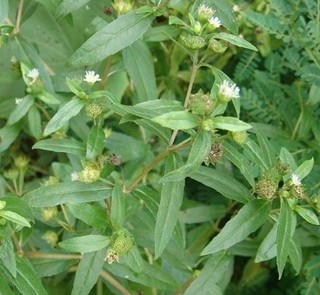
(125,166)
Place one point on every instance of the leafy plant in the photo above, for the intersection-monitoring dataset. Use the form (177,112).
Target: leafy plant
(131,163)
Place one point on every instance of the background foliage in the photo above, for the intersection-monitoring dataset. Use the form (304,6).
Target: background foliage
(150,180)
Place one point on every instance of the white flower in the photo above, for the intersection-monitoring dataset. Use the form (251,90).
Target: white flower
(18,100)
(205,12)
(235,8)
(214,22)
(295,180)
(74,176)
(91,77)
(33,74)
(13,59)
(229,90)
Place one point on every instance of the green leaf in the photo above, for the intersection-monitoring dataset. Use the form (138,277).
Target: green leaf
(177,120)
(199,151)
(48,267)
(4,9)
(84,244)
(229,123)
(21,109)
(235,40)
(4,287)
(152,275)
(218,264)
(268,248)
(14,217)
(68,6)
(69,110)
(203,213)
(256,153)
(7,251)
(19,206)
(223,183)
(150,197)
(34,122)
(134,260)
(91,214)
(154,128)
(118,207)
(8,134)
(170,203)
(295,254)
(26,280)
(67,192)
(304,169)
(95,142)
(285,231)
(88,272)
(61,145)
(307,214)
(249,218)
(115,36)
(238,160)
(139,63)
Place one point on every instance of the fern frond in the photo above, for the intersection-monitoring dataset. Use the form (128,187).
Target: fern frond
(246,66)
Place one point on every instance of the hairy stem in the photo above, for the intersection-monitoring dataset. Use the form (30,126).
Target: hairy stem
(18,19)
(114,282)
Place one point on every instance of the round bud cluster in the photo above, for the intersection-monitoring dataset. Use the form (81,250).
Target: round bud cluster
(193,42)
(49,213)
(215,154)
(122,242)
(217,46)
(51,237)
(21,162)
(201,104)
(266,188)
(122,6)
(11,174)
(90,173)
(3,204)
(94,109)
(239,136)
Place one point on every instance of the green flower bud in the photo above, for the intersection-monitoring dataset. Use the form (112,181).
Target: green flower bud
(204,13)
(3,204)
(217,46)
(22,162)
(122,242)
(197,27)
(93,109)
(193,42)
(90,173)
(239,136)
(49,213)
(50,237)
(266,188)
(122,6)
(272,174)
(201,104)
(2,221)
(11,174)
(51,181)
(215,154)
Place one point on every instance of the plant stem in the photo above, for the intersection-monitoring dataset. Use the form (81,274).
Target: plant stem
(18,19)
(187,98)
(114,282)
(51,255)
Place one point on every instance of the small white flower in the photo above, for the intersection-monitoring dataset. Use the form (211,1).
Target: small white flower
(205,12)
(295,180)
(229,90)
(18,100)
(13,59)
(214,22)
(74,176)
(91,77)
(235,8)
(33,74)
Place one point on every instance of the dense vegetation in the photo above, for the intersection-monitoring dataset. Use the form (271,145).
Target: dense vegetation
(159,147)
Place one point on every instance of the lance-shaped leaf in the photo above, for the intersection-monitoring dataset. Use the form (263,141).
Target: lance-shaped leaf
(285,231)
(88,272)
(21,109)
(115,36)
(69,110)
(170,203)
(67,192)
(304,169)
(118,209)
(14,217)
(295,253)
(235,40)
(84,244)
(68,6)
(199,151)
(268,247)
(307,214)
(177,120)
(139,63)
(95,142)
(61,145)
(229,123)
(249,218)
